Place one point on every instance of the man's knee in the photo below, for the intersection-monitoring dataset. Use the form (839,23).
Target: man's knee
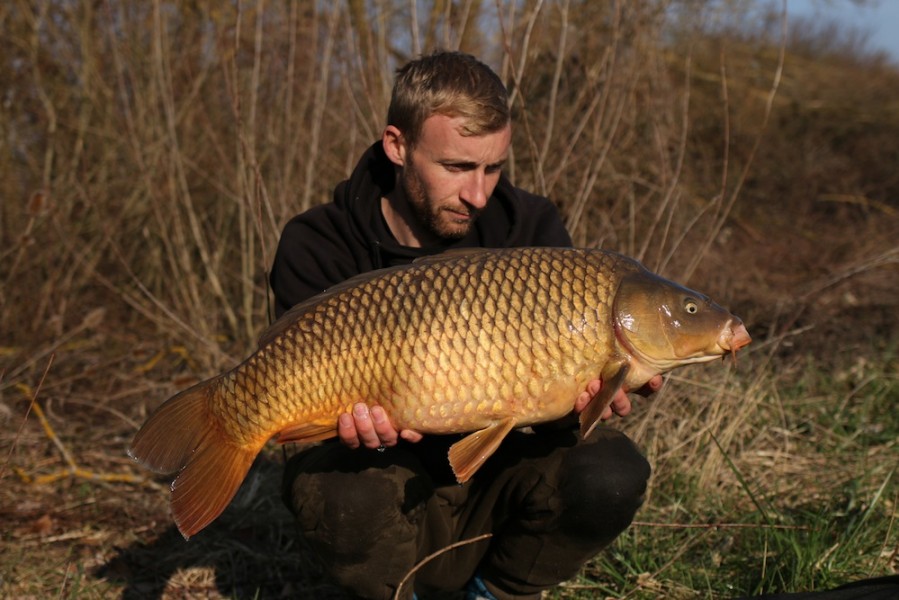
(360,518)
(603,483)
(335,487)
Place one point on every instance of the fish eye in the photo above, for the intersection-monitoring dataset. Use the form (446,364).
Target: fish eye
(691,306)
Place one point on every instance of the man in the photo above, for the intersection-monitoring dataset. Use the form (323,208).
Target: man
(549,500)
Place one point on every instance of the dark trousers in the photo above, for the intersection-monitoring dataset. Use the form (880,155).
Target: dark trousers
(550,501)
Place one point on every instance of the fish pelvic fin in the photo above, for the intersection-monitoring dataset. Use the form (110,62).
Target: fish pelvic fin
(183,436)
(468,454)
(592,414)
(304,433)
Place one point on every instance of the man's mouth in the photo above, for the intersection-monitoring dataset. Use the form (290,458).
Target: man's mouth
(460,215)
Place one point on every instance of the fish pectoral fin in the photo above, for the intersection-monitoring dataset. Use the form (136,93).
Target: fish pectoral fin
(307,432)
(592,414)
(468,454)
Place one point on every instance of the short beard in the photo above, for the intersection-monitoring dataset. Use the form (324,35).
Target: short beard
(426,213)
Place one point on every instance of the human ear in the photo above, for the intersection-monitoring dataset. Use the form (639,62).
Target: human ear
(394,145)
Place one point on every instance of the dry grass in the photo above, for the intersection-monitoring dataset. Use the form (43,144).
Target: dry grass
(153,151)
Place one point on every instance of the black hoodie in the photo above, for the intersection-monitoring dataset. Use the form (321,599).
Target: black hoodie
(332,242)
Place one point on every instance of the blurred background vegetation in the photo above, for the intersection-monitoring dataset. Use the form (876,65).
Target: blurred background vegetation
(152,151)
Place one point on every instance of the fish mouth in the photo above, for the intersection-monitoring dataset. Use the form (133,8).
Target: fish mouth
(733,337)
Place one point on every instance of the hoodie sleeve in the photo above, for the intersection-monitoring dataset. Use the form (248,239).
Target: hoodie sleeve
(312,256)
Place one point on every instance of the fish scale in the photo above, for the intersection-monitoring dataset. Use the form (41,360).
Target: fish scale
(482,340)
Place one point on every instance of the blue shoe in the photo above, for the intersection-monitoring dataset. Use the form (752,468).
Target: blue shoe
(476,590)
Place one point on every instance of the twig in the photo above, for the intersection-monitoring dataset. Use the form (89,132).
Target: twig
(33,403)
(890,256)
(517,75)
(672,192)
(48,429)
(720,526)
(319,105)
(554,89)
(163,75)
(91,320)
(725,210)
(434,555)
(73,469)
(96,536)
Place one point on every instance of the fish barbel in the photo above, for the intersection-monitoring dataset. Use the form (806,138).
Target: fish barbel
(479,341)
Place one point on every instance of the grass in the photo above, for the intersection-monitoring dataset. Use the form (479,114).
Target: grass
(723,554)
(804,497)
(812,515)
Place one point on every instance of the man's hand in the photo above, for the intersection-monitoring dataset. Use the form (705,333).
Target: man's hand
(370,428)
(621,404)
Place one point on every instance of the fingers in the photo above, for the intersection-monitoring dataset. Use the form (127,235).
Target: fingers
(373,429)
(584,397)
(651,387)
(370,427)
(621,405)
(411,436)
(346,430)
(384,433)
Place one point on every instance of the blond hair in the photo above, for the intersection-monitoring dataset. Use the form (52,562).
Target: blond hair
(451,84)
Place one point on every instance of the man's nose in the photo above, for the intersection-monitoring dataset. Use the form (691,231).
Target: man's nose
(475,192)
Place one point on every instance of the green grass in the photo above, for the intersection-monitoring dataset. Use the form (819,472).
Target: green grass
(806,548)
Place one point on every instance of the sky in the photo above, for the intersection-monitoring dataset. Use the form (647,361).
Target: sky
(879,18)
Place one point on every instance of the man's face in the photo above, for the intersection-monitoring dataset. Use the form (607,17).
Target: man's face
(448,178)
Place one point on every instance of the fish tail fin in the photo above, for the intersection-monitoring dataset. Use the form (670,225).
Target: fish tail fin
(184,436)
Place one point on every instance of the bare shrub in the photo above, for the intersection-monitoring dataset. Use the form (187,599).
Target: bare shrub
(157,149)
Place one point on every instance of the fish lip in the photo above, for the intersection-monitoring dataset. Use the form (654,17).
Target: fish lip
(734,336)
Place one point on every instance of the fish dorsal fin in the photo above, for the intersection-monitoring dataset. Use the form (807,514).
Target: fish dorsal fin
(592,414)
(468,454)
(301,308)
(452,254)
(288,318)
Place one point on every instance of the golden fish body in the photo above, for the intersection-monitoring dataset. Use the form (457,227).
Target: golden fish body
(483,341)
(444,346)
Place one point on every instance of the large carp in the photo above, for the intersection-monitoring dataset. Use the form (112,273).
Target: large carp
(479,341)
